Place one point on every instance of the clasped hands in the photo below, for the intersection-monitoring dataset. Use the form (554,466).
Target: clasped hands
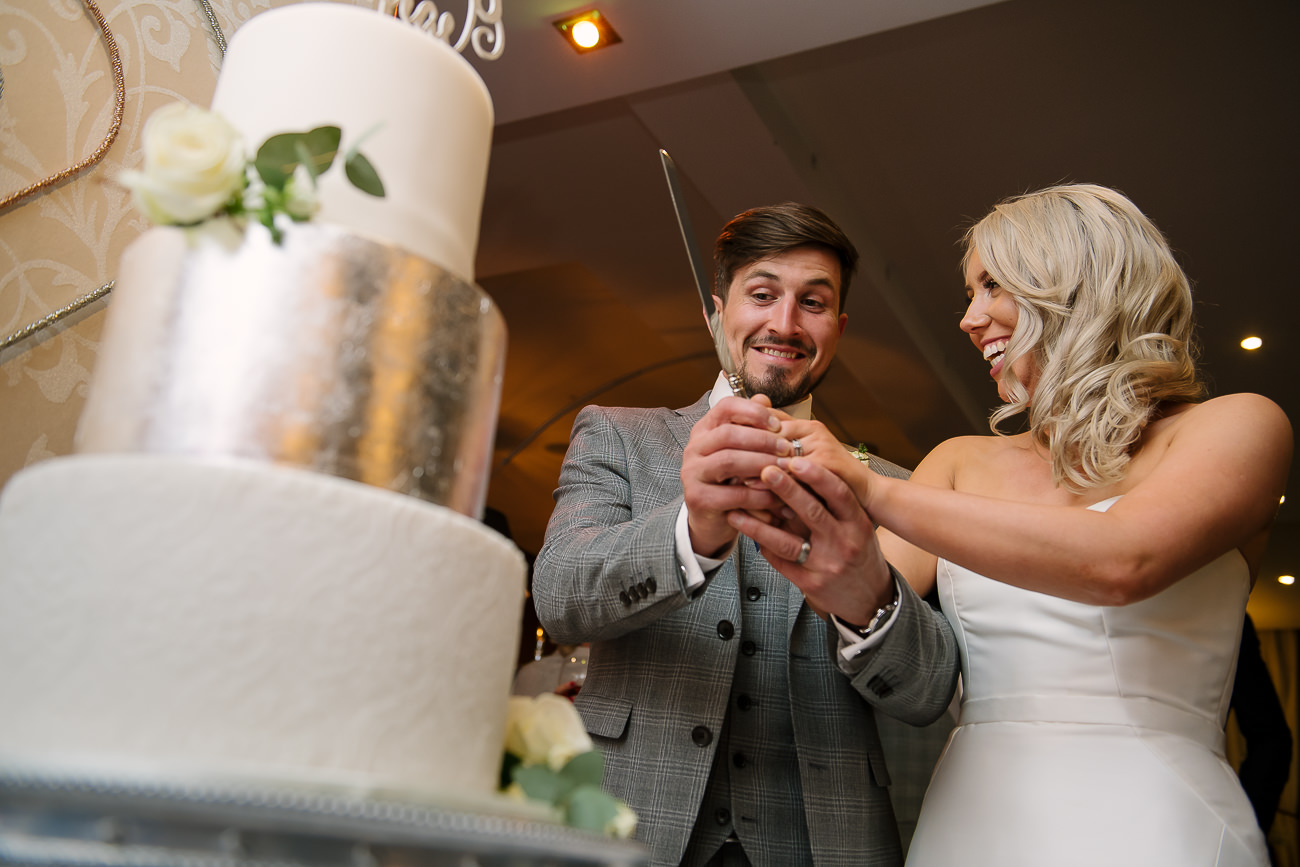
(740,475)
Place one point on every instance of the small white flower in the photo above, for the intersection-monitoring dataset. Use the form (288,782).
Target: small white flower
(545,730)
(194,164)
(623,825)
(301,201)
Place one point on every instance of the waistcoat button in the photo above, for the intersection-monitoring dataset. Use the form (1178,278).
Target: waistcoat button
(726,630)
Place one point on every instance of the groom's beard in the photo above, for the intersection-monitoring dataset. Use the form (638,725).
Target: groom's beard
(783,389)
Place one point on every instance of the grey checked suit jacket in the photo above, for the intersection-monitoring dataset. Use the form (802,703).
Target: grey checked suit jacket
(608,573)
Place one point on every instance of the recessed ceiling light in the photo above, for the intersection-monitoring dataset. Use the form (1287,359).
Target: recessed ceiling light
(1286,579)
(588,31)
(1252,343)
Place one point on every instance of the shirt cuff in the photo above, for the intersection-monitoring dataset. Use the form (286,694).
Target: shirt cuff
(694,566)
(852,645)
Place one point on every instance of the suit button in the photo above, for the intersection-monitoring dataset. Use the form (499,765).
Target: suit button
(754,594)
(748,648)
(722,816)
(638,590)
(739,760)
(701,736)
(627,600)
(650,584)
(744,702)
(726,630)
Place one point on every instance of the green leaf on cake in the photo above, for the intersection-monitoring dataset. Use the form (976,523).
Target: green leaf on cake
(590,809)
(322,144)
(281,154)
(585,769)
(541,783)
(362,174)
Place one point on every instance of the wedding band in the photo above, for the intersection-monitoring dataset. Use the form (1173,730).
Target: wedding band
(798,453)
(804,550)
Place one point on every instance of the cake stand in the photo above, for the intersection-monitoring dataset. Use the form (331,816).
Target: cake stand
(70,821)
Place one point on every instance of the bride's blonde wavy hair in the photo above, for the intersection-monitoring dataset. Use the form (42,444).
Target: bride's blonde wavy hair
(1105,313)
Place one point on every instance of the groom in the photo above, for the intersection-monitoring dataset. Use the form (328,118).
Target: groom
(735,721)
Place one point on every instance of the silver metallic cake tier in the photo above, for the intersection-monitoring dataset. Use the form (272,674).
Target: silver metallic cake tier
(330,352)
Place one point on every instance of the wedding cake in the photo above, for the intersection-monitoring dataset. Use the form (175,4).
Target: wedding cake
(264,562)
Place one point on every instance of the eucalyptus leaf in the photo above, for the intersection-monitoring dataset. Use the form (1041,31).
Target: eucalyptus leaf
(585,769)
(305,158)
(280,154)
(362,174)
(323,144)
(541,783)
(277,158)
(590,808)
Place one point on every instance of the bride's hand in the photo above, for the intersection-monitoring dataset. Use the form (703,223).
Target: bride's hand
(819,446)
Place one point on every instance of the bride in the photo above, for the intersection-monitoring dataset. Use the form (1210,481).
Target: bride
(1095,566)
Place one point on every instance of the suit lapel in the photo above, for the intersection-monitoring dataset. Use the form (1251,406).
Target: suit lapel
(682,420)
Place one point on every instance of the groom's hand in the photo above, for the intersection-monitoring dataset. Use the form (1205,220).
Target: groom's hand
(721,465)
(844,571)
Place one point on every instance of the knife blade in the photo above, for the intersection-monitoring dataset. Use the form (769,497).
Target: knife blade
(701,277)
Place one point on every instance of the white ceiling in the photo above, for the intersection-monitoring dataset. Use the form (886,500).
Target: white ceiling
(905,121)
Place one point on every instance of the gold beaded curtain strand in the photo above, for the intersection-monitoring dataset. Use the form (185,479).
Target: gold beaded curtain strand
(119,106)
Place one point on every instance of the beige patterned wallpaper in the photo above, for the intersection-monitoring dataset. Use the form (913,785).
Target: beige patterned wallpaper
(56,107)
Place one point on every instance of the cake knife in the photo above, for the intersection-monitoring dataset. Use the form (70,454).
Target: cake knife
(701,279)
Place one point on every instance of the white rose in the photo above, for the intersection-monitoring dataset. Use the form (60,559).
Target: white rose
(545,730)
(623,825)
(194,164)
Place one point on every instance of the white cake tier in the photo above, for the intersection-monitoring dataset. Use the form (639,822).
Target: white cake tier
(312,64)
(179,617)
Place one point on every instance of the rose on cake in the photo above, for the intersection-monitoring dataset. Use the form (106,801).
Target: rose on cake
(550,758)
(196,169)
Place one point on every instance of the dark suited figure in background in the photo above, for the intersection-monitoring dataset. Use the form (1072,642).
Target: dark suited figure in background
(1267,765)
(734,719)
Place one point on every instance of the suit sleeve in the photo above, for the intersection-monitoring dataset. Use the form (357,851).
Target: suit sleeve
(608,564)
(911,675)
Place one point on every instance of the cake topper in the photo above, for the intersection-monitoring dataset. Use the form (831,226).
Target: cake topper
(482,25)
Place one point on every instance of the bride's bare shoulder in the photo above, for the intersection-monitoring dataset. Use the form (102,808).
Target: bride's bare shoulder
(959,454)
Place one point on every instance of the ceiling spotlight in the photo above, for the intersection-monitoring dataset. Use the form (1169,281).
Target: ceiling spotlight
(588,31)
(1252,343)
(1286,579)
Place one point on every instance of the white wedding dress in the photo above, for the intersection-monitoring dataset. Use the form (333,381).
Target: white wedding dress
(1091,735)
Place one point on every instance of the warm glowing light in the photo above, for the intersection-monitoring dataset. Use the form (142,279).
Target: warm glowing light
(586,34)
(1252,343)
(588,31)
(1286,579)
(539,633)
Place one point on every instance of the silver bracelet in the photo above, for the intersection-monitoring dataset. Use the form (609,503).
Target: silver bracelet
(881,615)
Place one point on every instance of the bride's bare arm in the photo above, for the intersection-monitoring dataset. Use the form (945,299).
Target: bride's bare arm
(1215,488)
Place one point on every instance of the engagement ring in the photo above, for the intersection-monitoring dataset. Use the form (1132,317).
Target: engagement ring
(804,550)
(798,453)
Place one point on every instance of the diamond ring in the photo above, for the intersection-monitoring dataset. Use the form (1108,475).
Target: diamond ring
(798,453)
(804,550)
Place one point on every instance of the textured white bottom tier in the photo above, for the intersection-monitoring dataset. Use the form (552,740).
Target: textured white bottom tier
(177,616)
